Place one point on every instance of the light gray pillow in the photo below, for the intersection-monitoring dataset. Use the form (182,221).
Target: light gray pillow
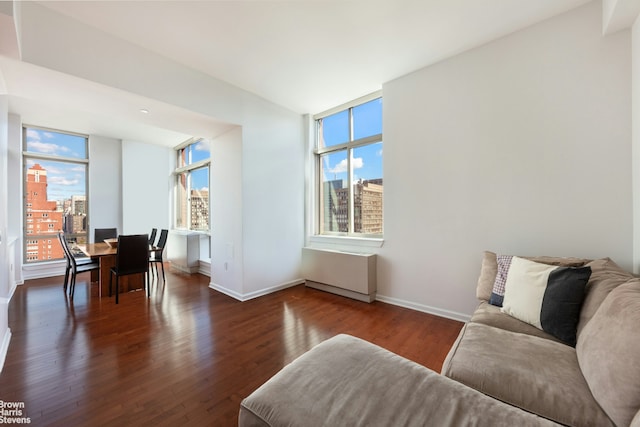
(608,351)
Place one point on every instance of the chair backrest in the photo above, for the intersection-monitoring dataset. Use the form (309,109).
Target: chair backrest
(132,255)
(63,243)
(71,261)
(100,234)
(163,239)
(152,236)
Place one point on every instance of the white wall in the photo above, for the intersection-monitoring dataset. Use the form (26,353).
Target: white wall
(226,213)
(146,186)
(273,153)
(5,279)
(521,146)
(105,183)
(635,158)
(15,197)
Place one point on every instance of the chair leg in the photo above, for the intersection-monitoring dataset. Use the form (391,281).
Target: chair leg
(162,265)
(66,278)
(117,288)
(72,286)
(147,284)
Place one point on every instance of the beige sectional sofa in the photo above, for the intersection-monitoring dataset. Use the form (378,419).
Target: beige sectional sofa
(597,383)
(500,372)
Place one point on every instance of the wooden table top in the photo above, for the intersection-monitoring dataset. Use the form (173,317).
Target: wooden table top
(97,249)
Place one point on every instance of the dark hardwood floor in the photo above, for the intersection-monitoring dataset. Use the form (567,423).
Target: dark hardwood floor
(186,356)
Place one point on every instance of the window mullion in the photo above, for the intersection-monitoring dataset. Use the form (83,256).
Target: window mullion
(350,213)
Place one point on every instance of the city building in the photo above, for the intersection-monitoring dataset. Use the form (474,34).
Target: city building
(43,218)
(200,209)
(367,206)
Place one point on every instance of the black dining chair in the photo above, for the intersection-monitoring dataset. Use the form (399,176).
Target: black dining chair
(100,234)
(132,257)
(74,266)
(152,236)
(156,255)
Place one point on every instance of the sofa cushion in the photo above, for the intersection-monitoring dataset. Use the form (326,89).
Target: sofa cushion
(606,275)
(546,296)
(491,315)
(539,375)
(608,352)
(346,381)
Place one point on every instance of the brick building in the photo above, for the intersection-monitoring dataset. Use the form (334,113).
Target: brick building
(43,218)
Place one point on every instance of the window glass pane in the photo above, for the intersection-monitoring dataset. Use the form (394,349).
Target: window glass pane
(200,151)
(334,129)
(200,199)
(181,201)
(192,187)
(366,166)
(367,119)
(55,200)
(55,143)
(334,192)
(194,153)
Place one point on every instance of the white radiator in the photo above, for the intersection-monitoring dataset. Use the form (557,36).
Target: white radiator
(344,273)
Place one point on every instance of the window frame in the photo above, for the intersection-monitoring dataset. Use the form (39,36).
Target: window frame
(27,217)
(188,169)
(348,146)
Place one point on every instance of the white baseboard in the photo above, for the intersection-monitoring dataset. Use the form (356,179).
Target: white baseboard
(4,347)
(461,317)
(43,269)
(255,294)
(341,291)
(204,268)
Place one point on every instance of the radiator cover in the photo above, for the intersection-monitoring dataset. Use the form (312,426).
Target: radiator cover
(348,274)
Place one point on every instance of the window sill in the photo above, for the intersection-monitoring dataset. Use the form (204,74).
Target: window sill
(361,242)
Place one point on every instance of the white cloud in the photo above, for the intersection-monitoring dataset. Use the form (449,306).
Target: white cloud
(33,134)
(45,147)
(42,147)
(202,145)
(60,180)
(356,163)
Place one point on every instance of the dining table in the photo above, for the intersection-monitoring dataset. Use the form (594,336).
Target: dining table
(106,256)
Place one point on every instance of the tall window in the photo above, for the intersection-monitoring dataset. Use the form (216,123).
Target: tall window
(55,191)
(349,161)
(192,185)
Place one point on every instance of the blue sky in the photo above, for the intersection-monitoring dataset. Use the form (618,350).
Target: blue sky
(63,179)
(200,177)
(367,160)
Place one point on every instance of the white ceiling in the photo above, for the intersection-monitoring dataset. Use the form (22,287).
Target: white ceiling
(307,55)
